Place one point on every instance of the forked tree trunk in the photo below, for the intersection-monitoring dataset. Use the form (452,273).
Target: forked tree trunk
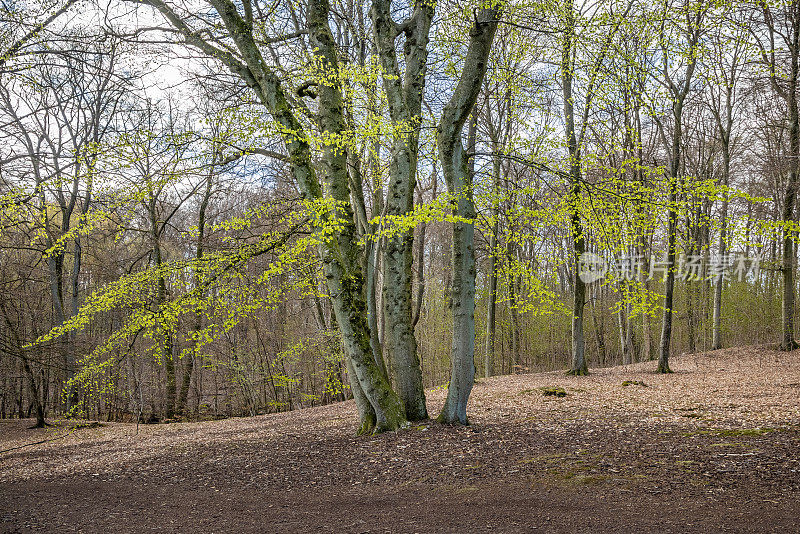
(678,93)
(369,257)
(404,95)
(380,408)
(77,258)
(455,167)
(341,253)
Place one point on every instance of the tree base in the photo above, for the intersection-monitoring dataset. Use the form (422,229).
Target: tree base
(385,427)
(366,427)
(420,414)
(664,370)
(577,372)
(443,419)
(40,424)
(373,427)
(789,346)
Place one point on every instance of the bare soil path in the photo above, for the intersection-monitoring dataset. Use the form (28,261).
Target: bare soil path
(714,447)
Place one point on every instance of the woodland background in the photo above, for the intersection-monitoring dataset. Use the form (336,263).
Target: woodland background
(158,258)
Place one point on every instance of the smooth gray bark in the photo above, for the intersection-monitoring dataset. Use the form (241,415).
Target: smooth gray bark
(679,92)
(514,288)
(370,257)
(343,261)
(716,342)
(574,139)
(491,309)
(455,167)
(404,95)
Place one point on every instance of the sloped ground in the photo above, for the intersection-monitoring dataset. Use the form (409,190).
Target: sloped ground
(713,447)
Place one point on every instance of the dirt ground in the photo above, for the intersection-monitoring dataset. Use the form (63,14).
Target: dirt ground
(714,447)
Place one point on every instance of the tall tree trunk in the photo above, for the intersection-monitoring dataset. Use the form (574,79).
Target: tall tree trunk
(788,213)
(579,365)
(198,319)
(462,373)
(514,287)
(491,309)
(55,268)
(405,107)
(716,342)
(625,324)
(642,246)
(420,254)
(371,254)
(166,342)
(599,325)
(341,253)
(678,93)
(669,283)
(374,247)
(693,247)
(648,342)
(165,335)
(72,394)
(341,256)
(455,167)
(33,389)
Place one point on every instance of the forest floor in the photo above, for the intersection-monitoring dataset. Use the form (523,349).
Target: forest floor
(713,447)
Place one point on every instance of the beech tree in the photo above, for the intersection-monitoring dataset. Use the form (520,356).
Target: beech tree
(455,166)
(777,38)
(404,94)
(293,231)
(725,69)
(575,134)
(24,26)
(379,407)
(683,24)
